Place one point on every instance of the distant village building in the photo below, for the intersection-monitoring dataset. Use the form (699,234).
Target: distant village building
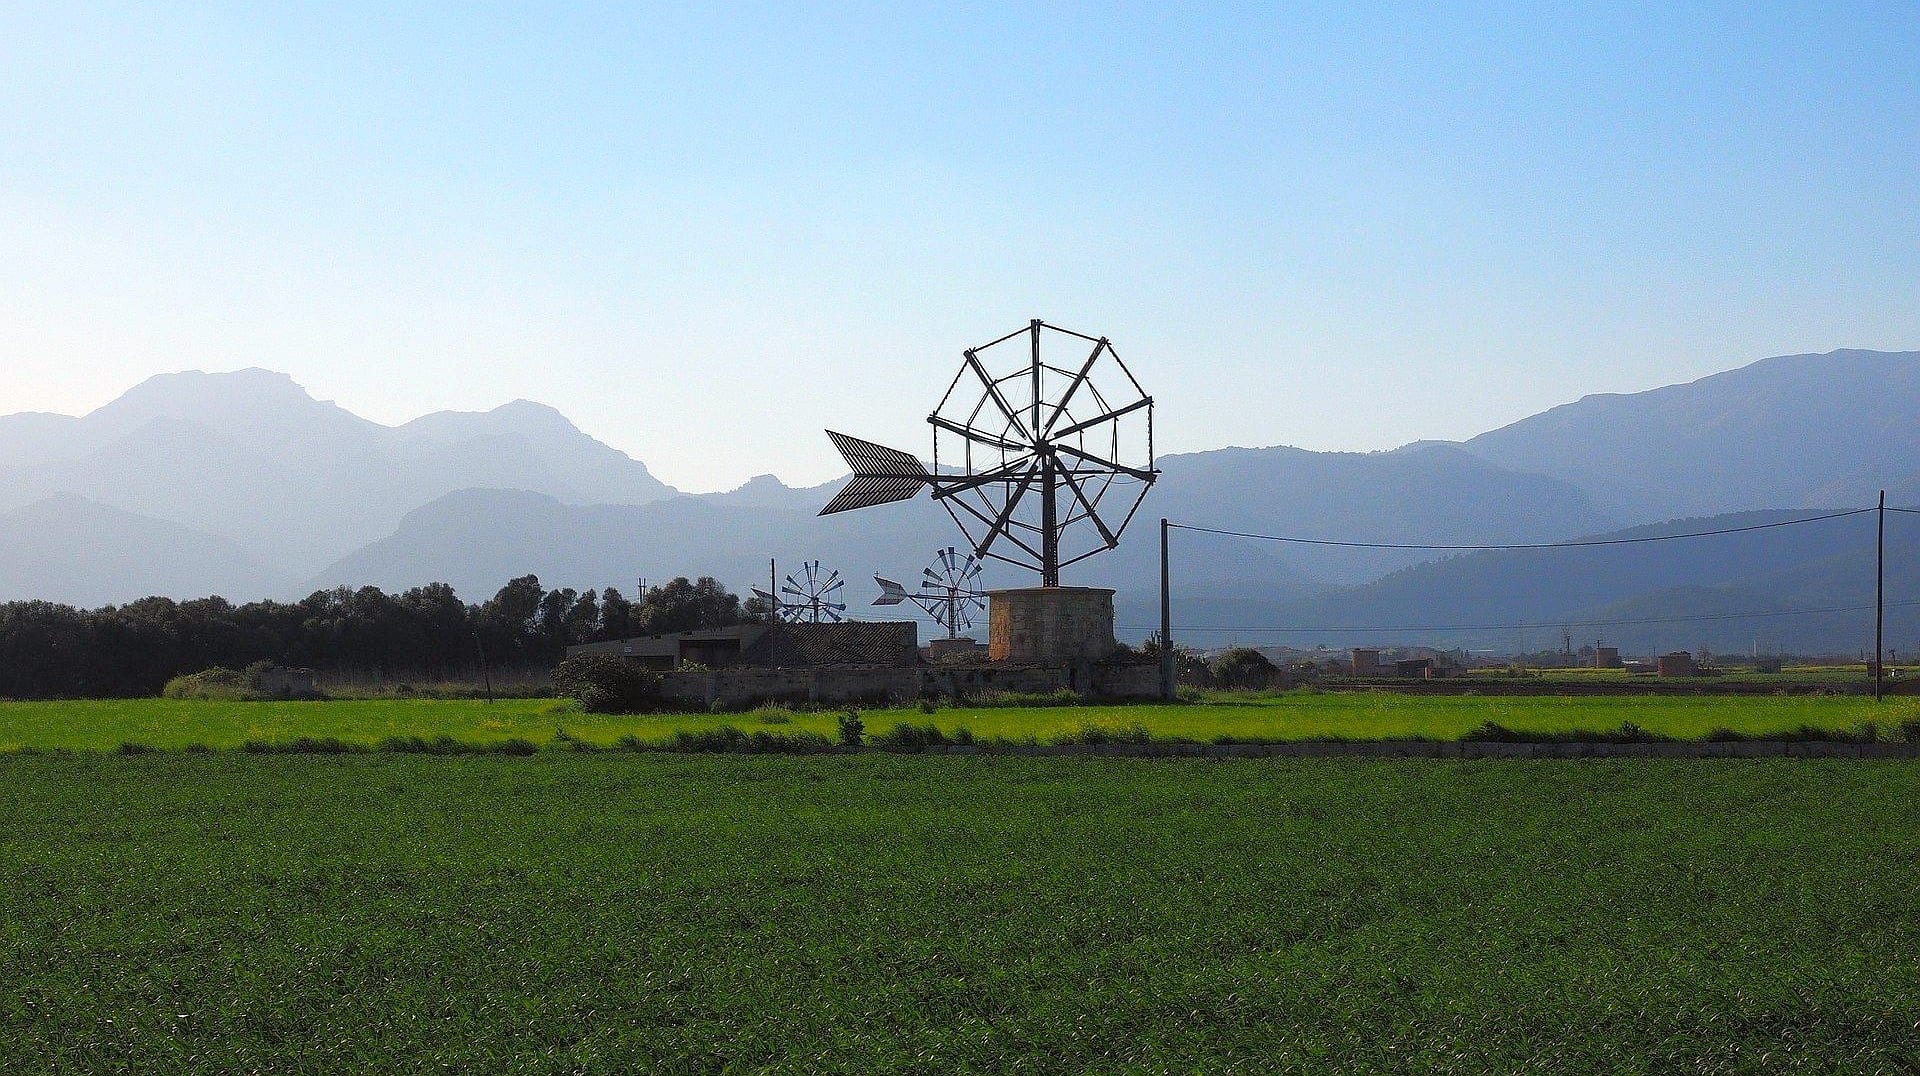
(1606,657)
(1678,663)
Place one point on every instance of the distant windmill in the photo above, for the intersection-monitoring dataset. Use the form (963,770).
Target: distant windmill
(811,596)
(949,590)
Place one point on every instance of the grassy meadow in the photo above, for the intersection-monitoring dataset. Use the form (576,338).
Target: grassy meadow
(660,913)
(172,724)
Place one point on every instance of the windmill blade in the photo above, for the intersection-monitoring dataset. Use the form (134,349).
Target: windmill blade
(976,436)
(1144,401)
(891,593)
(993,392)
(1073,386)
(1093,515)
(1088,457)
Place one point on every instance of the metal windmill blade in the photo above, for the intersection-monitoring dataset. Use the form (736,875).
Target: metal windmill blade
(948,591)
(1046,461)
(812,590)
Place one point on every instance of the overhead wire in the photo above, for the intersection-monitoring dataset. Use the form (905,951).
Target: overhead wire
(1577,544)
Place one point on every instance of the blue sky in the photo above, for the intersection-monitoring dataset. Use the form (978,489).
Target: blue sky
(705,236)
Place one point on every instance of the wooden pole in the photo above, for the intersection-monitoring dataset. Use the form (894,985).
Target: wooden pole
(1880,601)
(1167,666)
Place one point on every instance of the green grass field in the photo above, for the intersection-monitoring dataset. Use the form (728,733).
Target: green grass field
(613,913)
(1359,715)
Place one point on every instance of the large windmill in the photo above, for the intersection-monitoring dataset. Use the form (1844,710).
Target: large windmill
(1041,461)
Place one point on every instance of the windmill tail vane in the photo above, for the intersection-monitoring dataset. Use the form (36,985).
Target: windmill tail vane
(1076,434)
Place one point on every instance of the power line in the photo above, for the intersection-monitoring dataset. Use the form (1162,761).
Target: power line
(1525,545)
(1541,624)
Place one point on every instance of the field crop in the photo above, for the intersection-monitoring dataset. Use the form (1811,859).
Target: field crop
(630,913)
(168,723)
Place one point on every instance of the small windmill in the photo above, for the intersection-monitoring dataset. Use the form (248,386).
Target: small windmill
(949,590)
(811,596)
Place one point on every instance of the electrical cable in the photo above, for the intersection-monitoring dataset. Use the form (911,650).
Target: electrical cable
(1523,545)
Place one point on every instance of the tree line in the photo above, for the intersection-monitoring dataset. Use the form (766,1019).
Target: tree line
(48,650)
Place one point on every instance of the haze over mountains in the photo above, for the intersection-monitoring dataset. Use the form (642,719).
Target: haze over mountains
(242,484)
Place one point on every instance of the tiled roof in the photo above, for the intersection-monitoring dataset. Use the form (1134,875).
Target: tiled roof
(851,643)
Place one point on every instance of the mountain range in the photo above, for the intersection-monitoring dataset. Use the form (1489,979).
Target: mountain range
(243,484)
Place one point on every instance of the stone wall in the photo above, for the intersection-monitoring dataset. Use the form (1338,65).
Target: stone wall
(1050,625)
(743,686)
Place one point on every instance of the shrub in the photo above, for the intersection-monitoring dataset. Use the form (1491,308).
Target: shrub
(135,749)
(607,684)
(910,737)
(729,740)
(1242,667)
(218,682)
(1095,735)
(852,729)
(302,745)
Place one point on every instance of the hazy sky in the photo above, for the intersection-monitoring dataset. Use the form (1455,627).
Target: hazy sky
(704,237)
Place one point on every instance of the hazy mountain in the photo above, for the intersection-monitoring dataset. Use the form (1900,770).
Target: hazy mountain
(252,457)
(68,549)
(231,472)
(476,539)
(1797,429)
(1785,569)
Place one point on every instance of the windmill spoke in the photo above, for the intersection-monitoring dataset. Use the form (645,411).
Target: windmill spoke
(1088,457)
(1006,512)
(993,390)
(1091,514)
(1144,401)
(974,435)
(1073,387)
(948,485)
(988,520)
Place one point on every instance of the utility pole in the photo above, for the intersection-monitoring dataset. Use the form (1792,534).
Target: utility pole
(1880,600)
(1167,666)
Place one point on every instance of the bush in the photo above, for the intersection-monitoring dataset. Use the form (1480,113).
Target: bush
(218,682)
(260,680)
(1242,667)
(729,740)
(909,737)
(607,684)
(852,729)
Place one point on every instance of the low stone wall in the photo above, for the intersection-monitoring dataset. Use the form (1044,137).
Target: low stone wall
(743,686)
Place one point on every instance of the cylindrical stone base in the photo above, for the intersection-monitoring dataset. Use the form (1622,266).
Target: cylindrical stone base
(1050,625)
